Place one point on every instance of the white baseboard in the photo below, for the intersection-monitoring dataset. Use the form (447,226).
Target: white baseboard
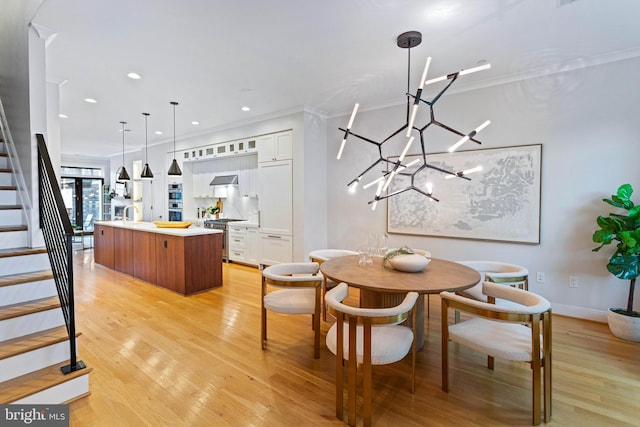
(579,312)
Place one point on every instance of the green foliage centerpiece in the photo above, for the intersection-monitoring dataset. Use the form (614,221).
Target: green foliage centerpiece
(404,250)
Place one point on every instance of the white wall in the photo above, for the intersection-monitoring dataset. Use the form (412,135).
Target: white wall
(315,183)
(15,36)
(588,125)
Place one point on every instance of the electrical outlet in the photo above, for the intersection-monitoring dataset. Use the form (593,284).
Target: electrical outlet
(573,282)
(540,277)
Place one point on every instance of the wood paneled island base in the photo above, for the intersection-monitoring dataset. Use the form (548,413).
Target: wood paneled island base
(185,261)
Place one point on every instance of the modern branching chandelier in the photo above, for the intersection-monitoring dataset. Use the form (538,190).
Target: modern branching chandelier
(394,165)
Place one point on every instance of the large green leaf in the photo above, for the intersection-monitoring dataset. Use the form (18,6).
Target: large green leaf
(603,236)
(624,266)
(622,198)
(611,224)
(625,191)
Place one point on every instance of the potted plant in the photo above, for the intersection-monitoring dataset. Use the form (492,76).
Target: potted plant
(212,210)
(625,261)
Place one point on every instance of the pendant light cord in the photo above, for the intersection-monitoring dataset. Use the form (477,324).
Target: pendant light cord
(146,142)
(174,128)
(123,123)
(408,79)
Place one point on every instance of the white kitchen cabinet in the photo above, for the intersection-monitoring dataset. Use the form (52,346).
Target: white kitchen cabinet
(209,152)
(275,197)
(193,154)
(237,243)
(248,182)
(244,244)
(275,248)
(252,249)
(274,147)
(201,187)
(250,145)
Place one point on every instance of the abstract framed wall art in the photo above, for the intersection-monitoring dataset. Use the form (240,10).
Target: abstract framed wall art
(501,202)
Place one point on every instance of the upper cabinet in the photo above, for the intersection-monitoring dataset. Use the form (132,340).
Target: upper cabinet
(220,150)
(275,147)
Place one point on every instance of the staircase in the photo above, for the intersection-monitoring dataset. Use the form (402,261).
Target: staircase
(34,343)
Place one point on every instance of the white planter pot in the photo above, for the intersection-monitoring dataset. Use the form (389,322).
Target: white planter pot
(624,327)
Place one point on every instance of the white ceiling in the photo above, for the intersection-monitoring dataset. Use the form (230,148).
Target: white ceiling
(214,56)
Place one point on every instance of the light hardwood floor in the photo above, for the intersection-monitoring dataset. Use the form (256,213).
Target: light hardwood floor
(161,359)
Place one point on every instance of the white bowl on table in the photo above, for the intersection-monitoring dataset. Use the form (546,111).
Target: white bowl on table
(409,263)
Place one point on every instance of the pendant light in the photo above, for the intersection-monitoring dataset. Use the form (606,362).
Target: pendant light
(123,176)
(146,170)
(174,169)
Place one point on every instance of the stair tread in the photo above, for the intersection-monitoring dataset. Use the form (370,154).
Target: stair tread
(5,253)
(7,228)
(29,307)
(9,207)
(6,170)
(8,187)
(33,276)
(27,343)
(37,381)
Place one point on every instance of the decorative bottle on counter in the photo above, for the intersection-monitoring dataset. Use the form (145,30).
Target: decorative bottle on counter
(219,206)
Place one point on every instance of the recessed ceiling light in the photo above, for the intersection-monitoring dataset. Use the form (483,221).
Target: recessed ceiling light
(246,108)
(158,132)
(134,76)
(195,123)
(442,12)
(64,116)
(90,100)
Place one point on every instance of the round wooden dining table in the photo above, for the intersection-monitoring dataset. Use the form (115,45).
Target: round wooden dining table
(382,287)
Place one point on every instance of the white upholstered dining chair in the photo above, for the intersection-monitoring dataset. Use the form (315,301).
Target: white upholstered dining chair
(320,256)
(367,336)
(497,272)
(519,332)
(292,288)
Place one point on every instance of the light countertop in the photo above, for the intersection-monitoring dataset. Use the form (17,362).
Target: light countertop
(151,228)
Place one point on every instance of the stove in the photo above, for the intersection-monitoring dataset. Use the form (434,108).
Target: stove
(221,224)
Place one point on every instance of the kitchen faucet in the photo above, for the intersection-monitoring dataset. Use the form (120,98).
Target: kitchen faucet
(124,212)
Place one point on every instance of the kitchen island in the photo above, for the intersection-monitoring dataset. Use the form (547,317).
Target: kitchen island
(183,260)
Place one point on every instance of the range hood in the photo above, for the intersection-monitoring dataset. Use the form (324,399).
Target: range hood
(225,180)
